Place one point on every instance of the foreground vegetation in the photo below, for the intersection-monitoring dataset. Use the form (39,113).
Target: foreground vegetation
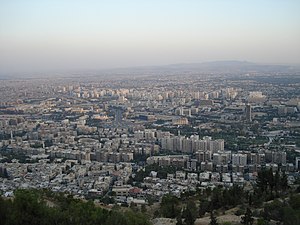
(271,201)
(48,208)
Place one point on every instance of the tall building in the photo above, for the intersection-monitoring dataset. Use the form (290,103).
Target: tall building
(239,159)
(216,145)
(297,164)
(248,113)
(203,156)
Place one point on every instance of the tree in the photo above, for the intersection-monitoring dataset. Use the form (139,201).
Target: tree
(290,216)
(150,200)
(190,213)
(29,207)
(273,210)
(261,221)
(213,219)
(204,207)
(179,219)
(5,209)
(250,199)
(277,182)
(271,181)
(247,219)
(216,198)
(170,206)
(294,202)
(108,200)
(133,206)
(284,182)
(262,181)
(143,209)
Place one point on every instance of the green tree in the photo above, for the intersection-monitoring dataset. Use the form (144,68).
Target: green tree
(262,181)
(216,198)
(247,219)
(179,219)
(295,202)
(261,221)
(277,182)
(5,209)
(170,206)
(116,218)
(29,207)
(284,182)
(270,179)
(273,210)
(204,207)
(290,216)
(190,213)
(143,208)
(213,219)
(133,206)
(133,218)
(226,223)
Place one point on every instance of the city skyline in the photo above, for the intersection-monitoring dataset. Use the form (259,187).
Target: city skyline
(64,35)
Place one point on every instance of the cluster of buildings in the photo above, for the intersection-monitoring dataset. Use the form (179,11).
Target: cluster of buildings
(84,179)
(91,136)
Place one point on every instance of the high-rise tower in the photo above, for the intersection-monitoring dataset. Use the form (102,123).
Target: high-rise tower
(248,113)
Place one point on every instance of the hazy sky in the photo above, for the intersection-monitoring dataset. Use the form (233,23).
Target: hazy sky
(89,34)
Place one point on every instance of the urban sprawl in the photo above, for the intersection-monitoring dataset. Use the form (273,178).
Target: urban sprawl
(136,139)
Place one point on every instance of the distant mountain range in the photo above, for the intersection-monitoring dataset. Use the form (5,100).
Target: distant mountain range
(219,67)
(211,67)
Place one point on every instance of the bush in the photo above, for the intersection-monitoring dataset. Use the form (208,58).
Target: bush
(239,212)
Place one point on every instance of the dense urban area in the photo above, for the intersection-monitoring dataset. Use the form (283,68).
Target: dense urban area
(172,149)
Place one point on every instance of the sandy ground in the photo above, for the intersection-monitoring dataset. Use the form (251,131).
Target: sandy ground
(221,219)
(163,221)
(200,221)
